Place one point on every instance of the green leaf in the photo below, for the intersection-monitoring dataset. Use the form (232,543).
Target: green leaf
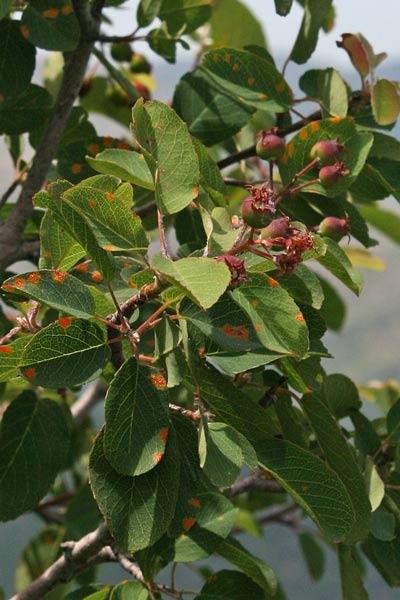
(313,555)
(385,556)
(297,154)
(278,321)
(383,525)
(82,515)
(55,288)
(137,419)
(393,424)
(350,576)
(232,551)
(224,455)
(327,87)
(233,25)
(383,220)
(341,459)
(230,585)
(5,6)
(336,261)
(113,223)
(51,25)
(137,510)
(10,355)
(242,74)
(385,102)
(17,60)
(94,591)
(367,441)
(186,16)
(306,41)
(34,437)
(58,249)
(312,484)
(147,11)
(204,280)
(170,155)
(126,164)
(130,590)
(283,7)
(304,286)
(26,112)
(374,484)
(212,115)
(215,519)
(66,353)
(210,175)
(333,309)
(352,43)
(341,395)
(239,363)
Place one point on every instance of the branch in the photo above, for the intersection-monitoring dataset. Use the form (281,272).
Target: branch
(92,394)
(251,151)
(254,482)
(77,557)
(74,72)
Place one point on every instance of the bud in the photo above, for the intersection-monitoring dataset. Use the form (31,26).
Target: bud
(258,208)
(121,51)
(330,175)
(139,64)
(270,146)
(327,151)
(334,228)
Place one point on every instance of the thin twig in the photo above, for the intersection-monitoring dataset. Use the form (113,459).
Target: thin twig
(254,482)
(89,397)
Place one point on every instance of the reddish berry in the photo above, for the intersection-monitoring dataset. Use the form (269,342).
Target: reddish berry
(334,228)
(277,228)
(270,146)
(253,216)
(142,90)
(121,51)
(330,175)
(139,64)
(327,151)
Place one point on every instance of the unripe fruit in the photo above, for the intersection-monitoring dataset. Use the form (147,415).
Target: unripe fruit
(117,95)
(326,151)
(121,51)
(139,64)
(256,218)
(270,146)
(334,228)
(277,228)
(330,175)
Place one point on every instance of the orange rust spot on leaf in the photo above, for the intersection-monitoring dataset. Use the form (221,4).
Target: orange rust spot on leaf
(97,276)
(47,254)
(250,81)
(110,196)
(107,141)
(1,98)
(336,119)
(93,148)
(262,97)
(254,302)
(150,343)
(132,284)
(273,281)
(258,327)
(299,318)
(188,523)
(59,276)
(8,287)
(304,488)
(164,434)
(158,381)
(157,457)
(284,159)
(6,349)
(19,282)
(76,168)
(92,203)
(64,322)
(235,67)
(29,373)
(215,57)
(195,191)
(195,502)
(221,518)
(34,277)
(202,351)
(228,57)
(290,150)
(48,539)
(25,31)
(50,13)
(303,133)
(314,126)
(236,331)
(108,248)
(83,267)
(66,10)
(280,87)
